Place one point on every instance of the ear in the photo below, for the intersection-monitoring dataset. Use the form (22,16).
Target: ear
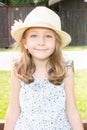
(23,42)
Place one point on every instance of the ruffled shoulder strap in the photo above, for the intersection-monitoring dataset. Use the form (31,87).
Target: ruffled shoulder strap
(69,63)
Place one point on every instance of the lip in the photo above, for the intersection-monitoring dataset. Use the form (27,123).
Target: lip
(41,49)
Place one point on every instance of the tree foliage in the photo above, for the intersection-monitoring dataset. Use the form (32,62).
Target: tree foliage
(23,2)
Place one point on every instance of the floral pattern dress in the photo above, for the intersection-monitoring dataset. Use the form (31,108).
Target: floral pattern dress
(42,106)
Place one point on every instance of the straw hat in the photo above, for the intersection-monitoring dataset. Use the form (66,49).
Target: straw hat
(40,17)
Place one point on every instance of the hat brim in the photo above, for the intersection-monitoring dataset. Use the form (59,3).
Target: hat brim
(18,33)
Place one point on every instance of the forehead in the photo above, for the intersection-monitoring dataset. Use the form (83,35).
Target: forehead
(37,29)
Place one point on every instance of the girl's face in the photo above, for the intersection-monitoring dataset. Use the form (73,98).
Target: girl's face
(40,42)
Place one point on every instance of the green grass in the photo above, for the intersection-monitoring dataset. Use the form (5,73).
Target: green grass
(5,49)
(4,92)
(75,48)
(80,92)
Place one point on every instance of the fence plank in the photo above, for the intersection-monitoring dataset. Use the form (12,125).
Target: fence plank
(3,26)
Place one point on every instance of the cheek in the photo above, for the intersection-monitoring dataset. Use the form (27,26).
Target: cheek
(52,46)
(28,44)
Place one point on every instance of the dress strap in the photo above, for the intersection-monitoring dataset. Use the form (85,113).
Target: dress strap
(70,63)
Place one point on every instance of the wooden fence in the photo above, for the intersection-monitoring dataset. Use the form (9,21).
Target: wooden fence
(75,23)
(4,35)
(73,15)
(7,17)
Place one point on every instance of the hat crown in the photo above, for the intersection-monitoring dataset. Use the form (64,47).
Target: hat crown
(43,16)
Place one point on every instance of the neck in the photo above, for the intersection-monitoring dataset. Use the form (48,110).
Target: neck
(41,70)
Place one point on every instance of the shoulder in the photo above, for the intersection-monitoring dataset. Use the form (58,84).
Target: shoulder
(69,64)
(69,78)
(14,77)
(69,82)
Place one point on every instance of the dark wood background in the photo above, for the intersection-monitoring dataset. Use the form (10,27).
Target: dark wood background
(3,27)
(7,17)
(73,15)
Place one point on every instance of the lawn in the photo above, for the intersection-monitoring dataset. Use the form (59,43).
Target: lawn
(80,92)
(75,48)
(4,92)
(5,49)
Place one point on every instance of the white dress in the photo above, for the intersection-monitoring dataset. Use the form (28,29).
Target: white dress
(42,106)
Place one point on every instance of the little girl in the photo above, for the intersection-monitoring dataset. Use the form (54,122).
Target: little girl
(42,92)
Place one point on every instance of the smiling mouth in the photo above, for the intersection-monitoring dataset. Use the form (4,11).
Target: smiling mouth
(41,49)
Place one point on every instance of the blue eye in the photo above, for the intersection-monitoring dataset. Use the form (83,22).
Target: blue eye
(48,36)
(33,36)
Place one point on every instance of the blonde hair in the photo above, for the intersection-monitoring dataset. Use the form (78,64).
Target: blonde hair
(25,66)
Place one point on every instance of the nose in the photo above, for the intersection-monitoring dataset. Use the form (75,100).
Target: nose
(41,41)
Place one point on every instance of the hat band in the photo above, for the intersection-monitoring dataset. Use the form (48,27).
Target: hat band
(43,24)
